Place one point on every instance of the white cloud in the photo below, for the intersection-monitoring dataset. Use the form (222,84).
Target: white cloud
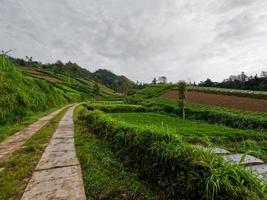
(141,39)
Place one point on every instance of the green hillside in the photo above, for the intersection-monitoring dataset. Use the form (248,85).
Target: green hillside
(32,89)
(120,84)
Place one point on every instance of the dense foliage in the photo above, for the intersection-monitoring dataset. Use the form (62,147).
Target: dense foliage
(120,84)
(229,119)
(177,170)
(111,108)
(21,95)
(254,83)
(201,133)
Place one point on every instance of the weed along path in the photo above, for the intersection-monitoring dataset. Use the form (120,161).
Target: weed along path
(58,174)
(15,141)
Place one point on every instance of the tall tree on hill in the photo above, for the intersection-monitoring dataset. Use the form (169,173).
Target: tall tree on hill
(182,97)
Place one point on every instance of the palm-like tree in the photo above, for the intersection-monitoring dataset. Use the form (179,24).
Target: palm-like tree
(182,96)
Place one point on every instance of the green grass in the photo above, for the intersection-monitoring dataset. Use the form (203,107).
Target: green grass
(152,90)
(201,107)
(21,95)
(10,129)
(201,132)
(170,165)
(104,176)
(19,166)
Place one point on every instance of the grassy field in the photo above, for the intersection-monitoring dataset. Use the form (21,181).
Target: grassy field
(200,132)
(152,90)
(202,107)
(104,175)
(212,114)
(155,148)
(18,168)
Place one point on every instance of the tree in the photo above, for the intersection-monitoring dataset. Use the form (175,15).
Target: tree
(96,90)
(182,97)
(154,81)
(162,79)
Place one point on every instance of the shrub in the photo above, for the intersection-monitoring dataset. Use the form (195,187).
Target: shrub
(227,119)
(178,170)
(111,108)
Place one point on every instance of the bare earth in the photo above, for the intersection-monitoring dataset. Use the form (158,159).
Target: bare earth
(241,103)
(15,141)
(58,174)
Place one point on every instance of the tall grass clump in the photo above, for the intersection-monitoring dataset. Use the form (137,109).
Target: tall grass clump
(21,95)
(171,167)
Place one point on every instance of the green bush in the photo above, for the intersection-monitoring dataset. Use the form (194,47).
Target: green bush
(171,167)
(227,119)
(111,108)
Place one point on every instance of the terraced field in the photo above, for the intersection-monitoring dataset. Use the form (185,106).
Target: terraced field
(228,101)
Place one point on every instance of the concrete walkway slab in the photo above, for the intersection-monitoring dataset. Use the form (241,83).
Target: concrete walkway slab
(60,183)
(58,174)
(249,160)
(260,169)
(15,141)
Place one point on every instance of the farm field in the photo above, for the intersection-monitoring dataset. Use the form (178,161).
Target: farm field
(228,101)
(155,147)
(197,132)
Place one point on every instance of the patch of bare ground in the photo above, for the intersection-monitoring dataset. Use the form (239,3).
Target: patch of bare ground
(42,75)
(241,103)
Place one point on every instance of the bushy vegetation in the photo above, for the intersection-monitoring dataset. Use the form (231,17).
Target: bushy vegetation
(119,84)
(171,167)
(113,108)
(103,174)
(20,95)
(227,117)
(198,132)
(248,83)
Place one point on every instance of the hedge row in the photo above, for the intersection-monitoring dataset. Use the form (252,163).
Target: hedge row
(172,168)
(230,120)
(113,108)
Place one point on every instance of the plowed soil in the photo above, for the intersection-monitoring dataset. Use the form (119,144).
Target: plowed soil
(241,103)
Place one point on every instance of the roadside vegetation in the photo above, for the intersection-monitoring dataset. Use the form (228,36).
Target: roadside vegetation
(31,91)
(198,132)
(104,175)
(165,161)
(16,170)
(211,114)
(23,96)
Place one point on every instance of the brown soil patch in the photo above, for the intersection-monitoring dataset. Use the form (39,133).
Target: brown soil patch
(241,103)
(37,74)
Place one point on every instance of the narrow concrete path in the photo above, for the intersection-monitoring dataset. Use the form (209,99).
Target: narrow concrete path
(255,164)
(58,174)
(15,141)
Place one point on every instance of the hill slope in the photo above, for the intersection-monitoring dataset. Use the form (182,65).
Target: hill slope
(28,90)
(120,84)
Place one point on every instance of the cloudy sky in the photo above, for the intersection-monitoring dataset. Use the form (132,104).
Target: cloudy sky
(142,39)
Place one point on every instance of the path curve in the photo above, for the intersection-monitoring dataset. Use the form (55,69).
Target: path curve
(15,141)
(58,174)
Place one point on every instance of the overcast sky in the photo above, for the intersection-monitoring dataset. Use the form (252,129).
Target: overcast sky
(142,39)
